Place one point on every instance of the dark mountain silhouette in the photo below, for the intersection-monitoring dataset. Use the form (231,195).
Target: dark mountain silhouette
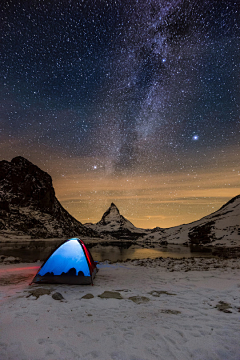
(28,204)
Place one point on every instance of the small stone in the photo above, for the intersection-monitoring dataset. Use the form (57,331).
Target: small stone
(139,299)
(158,293)
(39,292)
(173,312)
(110,295)
(57,296)
(224,307)
(88,296)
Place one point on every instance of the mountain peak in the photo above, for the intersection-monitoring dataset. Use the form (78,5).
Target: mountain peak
(113,207)
(116,225)
(19,160)
(28,204)
(112,214)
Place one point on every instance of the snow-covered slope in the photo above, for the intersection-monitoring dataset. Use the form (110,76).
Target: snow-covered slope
(219,228)
(28,205)
(113,223)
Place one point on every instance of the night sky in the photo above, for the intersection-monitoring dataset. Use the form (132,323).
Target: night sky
(131,102)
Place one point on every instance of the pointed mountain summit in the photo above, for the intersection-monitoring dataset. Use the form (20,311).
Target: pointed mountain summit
(28,205)
(116,225)
(111,216)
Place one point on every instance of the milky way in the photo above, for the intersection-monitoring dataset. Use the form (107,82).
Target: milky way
(127,87)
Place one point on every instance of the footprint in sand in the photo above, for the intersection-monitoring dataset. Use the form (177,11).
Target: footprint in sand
(148,336)
(44,341)
(128,335)
(92,355)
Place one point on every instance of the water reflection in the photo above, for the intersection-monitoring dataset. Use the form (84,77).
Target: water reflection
(115,253)
(29,251)
(40,250)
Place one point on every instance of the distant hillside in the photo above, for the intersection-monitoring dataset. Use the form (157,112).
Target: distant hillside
(219,228)
(28,204)
(114,224)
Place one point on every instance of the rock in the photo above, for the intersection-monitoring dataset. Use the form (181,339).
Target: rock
(116,225)
(173,312)
(224,307)
(158,293)
(39,292)
(139,299)
(4,205)
(29,206)
(57,296)
(88,296)
(11,260)
(163,242)
(201,234)
(110,295)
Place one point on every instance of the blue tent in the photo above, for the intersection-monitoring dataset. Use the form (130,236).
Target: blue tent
(70,263)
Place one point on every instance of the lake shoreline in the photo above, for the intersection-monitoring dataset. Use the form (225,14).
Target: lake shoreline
(112,251)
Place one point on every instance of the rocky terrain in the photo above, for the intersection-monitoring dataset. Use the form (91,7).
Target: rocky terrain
(221,228)
(28,205)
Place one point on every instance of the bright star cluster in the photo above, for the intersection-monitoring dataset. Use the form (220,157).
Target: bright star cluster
(119,90)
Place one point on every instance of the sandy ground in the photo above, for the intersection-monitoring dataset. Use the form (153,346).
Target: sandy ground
(140,310)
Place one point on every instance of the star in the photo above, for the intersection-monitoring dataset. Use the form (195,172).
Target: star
(195,137)
(123,89)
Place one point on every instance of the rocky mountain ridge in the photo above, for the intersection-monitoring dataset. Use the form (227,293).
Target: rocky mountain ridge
(221,228)
(28,204)
(114,224)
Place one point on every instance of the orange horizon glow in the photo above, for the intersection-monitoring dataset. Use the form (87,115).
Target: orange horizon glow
(148,201)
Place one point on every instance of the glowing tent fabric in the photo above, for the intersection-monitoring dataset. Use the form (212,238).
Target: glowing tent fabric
(70,263)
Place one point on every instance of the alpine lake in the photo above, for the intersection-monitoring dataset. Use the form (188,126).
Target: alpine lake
(31,251)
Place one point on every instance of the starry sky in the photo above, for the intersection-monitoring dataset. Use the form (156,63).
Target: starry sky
(132,102)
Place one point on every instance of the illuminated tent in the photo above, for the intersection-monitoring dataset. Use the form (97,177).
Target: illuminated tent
(70,263)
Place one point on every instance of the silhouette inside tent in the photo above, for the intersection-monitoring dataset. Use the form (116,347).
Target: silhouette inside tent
(70,263)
